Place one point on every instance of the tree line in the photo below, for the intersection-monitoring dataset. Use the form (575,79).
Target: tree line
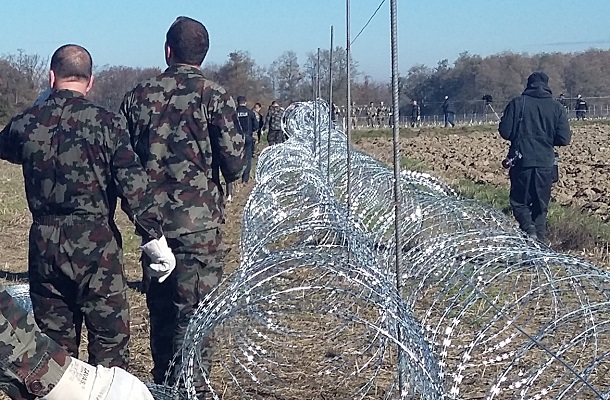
(288,79)
(503,76)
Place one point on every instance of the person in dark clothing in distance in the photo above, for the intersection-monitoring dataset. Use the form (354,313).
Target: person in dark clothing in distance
(533,123)
(415,114)
(581,108)
(562,100)
(448,112)
(259,118)
(248,124)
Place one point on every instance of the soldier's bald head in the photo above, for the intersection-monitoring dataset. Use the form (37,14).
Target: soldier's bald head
(188,40)
(72,62)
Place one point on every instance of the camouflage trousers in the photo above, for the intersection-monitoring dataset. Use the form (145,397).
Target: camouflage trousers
(76,275)
(31,364)
(275,137)
(199,266)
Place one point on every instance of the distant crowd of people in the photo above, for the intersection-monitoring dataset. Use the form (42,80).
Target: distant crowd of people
(379,115)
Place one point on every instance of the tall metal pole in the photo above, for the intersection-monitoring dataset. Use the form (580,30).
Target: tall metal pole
(397,187)
(349,110)
(319,80)
(314,88)
(330,103)
(318,136)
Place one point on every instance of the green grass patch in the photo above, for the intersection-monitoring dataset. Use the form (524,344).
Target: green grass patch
(573,229)
(570,229)
(412,164)
(495,196)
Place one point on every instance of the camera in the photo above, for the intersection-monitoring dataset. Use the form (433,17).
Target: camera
(487,98)
(510,160)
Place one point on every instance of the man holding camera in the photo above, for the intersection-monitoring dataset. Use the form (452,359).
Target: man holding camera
(533,123)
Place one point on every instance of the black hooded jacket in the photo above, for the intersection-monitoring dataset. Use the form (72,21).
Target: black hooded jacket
(544,125)
(448,107)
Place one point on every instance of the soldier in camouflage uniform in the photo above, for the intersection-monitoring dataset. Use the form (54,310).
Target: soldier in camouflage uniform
(382,115)
(354,117)
(273,121)
(77,161)
(371,113)
(32,365)
(180,122)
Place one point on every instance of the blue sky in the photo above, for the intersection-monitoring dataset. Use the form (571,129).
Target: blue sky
(132,32)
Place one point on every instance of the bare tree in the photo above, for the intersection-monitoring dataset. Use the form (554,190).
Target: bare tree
(339,73)
(22,76)
(112,82)
(286,75)
(241,76)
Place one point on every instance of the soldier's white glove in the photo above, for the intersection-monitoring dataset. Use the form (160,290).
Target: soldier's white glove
(162,259)
(82,381)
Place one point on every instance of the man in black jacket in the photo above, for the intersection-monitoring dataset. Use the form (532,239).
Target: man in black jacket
(581,108)
(533,123)
(248,124)
(449,112)
(415,114)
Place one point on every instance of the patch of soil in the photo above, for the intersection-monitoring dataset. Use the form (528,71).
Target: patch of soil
(583,168)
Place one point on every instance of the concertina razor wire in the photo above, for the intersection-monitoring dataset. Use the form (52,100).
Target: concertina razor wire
(313,312)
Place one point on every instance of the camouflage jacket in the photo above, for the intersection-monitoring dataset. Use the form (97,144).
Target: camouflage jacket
(31,364)
(179,122)
(273,120)
(77,161)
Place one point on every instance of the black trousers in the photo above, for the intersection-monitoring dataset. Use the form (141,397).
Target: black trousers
(249,150)
(530,194)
